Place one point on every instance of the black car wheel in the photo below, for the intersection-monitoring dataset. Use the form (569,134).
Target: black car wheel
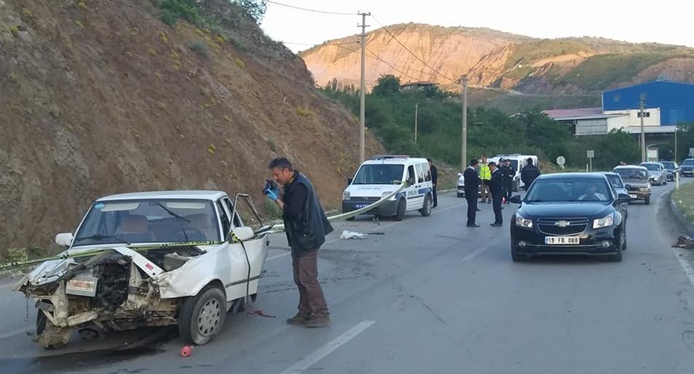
(517,257)
(402,206)
(647,200)
(617,257)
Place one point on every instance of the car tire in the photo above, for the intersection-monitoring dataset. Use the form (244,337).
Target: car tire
(202,316)
(647,200)
(460,194)
(400,213)
(617,257)
(43,324)
(426,207)
(350,219)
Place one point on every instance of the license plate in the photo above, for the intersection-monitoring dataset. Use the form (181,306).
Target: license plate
(632,196)
(562,240)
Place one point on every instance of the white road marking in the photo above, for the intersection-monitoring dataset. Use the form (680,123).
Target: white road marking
(474,254)
(325,350)
(8,334)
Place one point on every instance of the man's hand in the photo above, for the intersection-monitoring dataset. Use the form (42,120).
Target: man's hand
(272,195)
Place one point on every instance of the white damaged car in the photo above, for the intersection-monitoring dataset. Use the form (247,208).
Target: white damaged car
(149,259)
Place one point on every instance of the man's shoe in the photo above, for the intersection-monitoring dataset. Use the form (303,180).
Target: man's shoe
(298,319)
(317,321)
(479,210)
(435,205)
(495,224)
(473,225)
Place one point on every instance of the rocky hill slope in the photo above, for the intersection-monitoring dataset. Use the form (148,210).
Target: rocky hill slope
(497,60)
(101,97)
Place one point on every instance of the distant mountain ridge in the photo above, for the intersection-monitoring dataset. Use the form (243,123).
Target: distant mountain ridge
(498,60)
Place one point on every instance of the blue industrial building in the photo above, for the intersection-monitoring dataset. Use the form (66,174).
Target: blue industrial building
(675,100)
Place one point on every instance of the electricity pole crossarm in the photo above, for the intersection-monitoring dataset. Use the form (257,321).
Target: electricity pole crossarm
(362,88)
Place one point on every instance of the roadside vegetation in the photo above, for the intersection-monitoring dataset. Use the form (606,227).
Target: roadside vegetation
(390,114)
(684,200)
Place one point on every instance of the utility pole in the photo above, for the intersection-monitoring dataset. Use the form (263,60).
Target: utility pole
(362,89)
(416,112)
(463,155)
(643,135)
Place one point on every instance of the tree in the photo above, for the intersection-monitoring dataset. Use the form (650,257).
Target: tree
(387,85)
(254,8)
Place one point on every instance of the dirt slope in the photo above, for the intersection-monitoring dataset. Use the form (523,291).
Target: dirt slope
(100,97)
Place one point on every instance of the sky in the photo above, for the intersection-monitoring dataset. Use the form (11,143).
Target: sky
(664,21)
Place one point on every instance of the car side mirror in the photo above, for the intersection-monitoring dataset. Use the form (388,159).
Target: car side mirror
(242,234)
(622,198)
(516,199)
(64,239)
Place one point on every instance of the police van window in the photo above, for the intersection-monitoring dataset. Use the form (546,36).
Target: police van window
(427,172)
(411,174)
(420,173)
(224,218)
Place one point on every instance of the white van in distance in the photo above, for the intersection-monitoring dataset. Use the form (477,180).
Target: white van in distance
(381,176)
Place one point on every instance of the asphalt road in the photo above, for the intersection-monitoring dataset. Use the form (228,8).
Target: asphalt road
(427,295)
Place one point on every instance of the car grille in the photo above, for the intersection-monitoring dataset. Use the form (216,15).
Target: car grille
(551,227)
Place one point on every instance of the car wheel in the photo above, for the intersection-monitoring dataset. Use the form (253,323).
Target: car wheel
(647,200)
(426,208)
(460,194)
(350,219)
(201,317)
(400,214)
(617,257)
(624,237)
(50,337)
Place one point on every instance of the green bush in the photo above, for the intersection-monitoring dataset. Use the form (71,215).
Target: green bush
(199,47)
(173,10)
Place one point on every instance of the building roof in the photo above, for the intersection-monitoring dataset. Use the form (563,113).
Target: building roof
(662,129)
(575,113)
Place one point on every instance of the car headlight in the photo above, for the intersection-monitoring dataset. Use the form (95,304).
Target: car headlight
(644,189)
(346,195)
(606,221)
(523,222)
(383,195)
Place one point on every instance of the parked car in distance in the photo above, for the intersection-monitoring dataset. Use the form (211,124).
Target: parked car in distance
(569,213)
(673,169)
(687,167)
(635,179)
(657,173)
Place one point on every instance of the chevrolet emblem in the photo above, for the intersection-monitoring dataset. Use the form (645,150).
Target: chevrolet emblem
(562,223)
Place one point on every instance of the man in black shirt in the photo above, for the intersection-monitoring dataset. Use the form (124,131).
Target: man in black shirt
(472,185)
(306,226)
(434,178)
(497,190)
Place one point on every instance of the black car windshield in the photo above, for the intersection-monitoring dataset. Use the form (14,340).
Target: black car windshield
(569,189)
(651,167)
(379,174)
(148,221)
(632,173)
(688,162)
(669,164)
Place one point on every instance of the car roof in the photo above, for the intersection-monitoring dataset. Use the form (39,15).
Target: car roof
(650,162)
(630,167)
(394,160)
(572,175)
(172,194)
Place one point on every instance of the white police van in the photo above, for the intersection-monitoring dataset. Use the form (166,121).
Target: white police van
(381,176)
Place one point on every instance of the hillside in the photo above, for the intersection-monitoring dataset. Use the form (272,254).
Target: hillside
(100,97)
(497,60)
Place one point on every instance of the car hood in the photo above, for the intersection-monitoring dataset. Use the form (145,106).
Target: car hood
(565,209)
(686,166)
(654,172)
(636,182)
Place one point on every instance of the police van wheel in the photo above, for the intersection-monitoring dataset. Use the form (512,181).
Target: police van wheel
(400,214)
(426,208)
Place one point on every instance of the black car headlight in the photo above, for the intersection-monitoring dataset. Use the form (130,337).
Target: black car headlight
(606,221)
(523,222)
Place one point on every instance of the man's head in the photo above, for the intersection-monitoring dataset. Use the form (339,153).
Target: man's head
(483,158)
(529,161)
(474,163)
(492,166)
(508,162)
(282,170)
(428,159)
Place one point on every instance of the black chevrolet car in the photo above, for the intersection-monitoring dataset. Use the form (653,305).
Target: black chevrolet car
(569,213)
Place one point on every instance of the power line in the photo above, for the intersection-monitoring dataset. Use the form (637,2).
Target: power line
(311,10)
(378,58)
(412,53)
(316,44)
